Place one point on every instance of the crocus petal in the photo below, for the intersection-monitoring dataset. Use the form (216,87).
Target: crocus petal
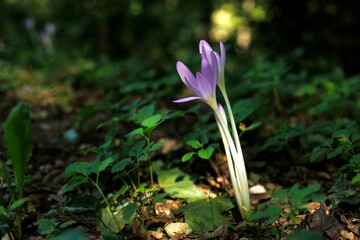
(222,112)
(187,77)
(204,86)
(215,68)
(206,70)
(205,50)
(186,99)
(223,56)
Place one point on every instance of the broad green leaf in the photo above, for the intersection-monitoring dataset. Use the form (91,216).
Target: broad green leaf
(120,166)
(300,196)
(244,113)
(17,203)
(151,121)
(77,168)
(205,215)
(300,235)
(66,224)
(342,135)
(160,198)
(17,131)
(335,152)
(187,156)
(356,178)
(138,131)
(124,216)
(99,166)
(175,180)
(194,144)
(109,235)
(69,235)
(73,182)
(46,226)
(317,152)
(272,213)
(206,153)
(115,119)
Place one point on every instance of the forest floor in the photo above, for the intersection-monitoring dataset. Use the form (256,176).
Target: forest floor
(55,148)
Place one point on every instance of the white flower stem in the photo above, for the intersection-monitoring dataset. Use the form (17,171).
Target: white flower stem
(238,167)
(234,180)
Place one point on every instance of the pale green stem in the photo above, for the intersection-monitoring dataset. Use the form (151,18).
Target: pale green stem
(238,162)
(234,181)
(232,121)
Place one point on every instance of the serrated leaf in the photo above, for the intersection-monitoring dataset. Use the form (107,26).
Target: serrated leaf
(17,131)
(156,146)
(120,166)
(77,168)
(317,152)
(160,198)
(66,224)
(205,215)
(143,157)
(187,156)
(151,121)
(137,148)
(99,166)
(272,213)
(206,153)
(73,182)
(300,196)
(122,191)
(175,180)
(194,144)
(335,153)
(17,203)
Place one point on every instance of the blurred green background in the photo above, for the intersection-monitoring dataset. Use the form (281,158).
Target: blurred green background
(133,45)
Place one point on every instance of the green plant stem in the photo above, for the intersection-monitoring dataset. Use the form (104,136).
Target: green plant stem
(232,121)
(239,166)
(18,218)
(150,166)
(106,202)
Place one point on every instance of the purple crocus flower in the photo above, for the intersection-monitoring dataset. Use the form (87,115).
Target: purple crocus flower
(205,52)
(204,84)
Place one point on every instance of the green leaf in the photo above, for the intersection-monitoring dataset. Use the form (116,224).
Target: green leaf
(73,182)
(17,131)
(2,210)
(120,166)
(160,198)
(187,156)
(244,113)
(99,166)
(115,119)
(17,203)
(124,216)
(69,235)
(109,235)
(194,144)
(253,126)
(335,153)
(272,213)
(308,235)
(175,180)
(356,178)
(300,196)
(137,148)
(138,131)
(156,146)
(317,152)
(46,226)
(77,168)
(205,215)
(122,191)
(66,224)
(206,153)
(151,121)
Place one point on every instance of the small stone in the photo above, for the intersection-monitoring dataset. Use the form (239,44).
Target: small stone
(172,228)
(156,234)
(257,189)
